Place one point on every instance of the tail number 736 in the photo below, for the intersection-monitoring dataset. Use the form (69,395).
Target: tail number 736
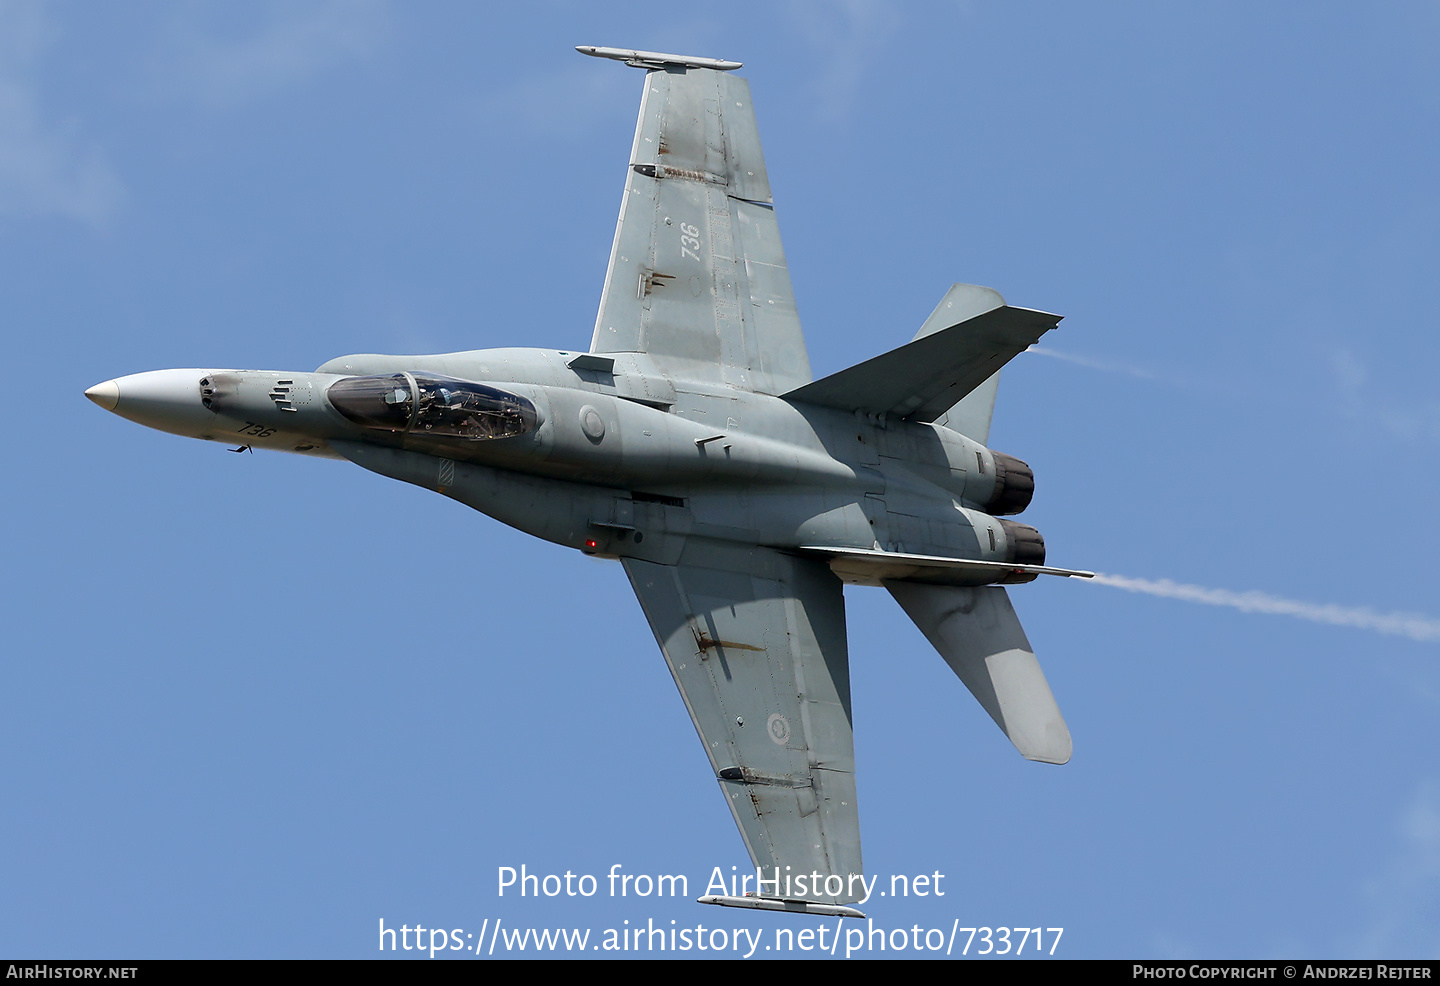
(690,241)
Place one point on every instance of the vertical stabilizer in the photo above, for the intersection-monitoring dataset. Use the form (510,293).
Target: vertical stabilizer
(960,304)
(971,416)
(980,637)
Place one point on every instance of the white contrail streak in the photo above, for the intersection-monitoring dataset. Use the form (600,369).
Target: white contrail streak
(1412,625)
(1104,366)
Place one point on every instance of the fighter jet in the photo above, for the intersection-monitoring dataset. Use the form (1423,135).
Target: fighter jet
(691,444)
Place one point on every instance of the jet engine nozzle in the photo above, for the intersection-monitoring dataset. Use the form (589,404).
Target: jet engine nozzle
(1014,486)
(1024,545)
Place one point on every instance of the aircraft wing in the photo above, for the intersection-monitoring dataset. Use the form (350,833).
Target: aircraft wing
(756,642)
(697,276)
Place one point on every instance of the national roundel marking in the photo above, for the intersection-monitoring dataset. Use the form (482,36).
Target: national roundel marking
(592,424)
(779,729)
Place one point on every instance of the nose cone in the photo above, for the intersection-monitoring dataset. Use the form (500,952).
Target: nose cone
(106,394)
(167,400)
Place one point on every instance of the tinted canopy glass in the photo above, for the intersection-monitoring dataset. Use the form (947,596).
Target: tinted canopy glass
(434,406)
(385,403)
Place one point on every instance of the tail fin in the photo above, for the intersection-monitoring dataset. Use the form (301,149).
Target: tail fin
(978,634)
(960,304)
(971,415)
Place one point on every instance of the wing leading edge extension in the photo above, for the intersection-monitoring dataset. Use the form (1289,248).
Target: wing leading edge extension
(697,276)
(756,642)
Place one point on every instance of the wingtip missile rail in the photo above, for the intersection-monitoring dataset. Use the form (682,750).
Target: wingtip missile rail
(657,59)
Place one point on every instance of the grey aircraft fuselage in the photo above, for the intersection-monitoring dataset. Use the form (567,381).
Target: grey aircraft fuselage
(621,461)
(739,494)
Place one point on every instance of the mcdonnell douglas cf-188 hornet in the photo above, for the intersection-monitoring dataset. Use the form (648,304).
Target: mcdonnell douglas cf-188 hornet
(691,444)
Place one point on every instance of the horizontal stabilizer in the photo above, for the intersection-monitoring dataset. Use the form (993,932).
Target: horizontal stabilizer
(978,634)
(866,566)
(923,379)
(971,416)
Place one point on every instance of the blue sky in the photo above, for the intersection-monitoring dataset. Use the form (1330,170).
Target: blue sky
(232,730)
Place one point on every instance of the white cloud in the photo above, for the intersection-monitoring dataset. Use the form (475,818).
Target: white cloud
(45,167)
(849,34)
(577,99)
(1404,899)
(281,44)
(1360,401)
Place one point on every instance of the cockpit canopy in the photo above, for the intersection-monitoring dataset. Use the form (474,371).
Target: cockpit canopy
(432,405)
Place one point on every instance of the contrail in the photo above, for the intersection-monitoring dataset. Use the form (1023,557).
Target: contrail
(1104,366)
(1412,625)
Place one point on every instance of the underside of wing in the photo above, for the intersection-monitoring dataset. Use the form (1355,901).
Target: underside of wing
(697,276)
(756,642)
